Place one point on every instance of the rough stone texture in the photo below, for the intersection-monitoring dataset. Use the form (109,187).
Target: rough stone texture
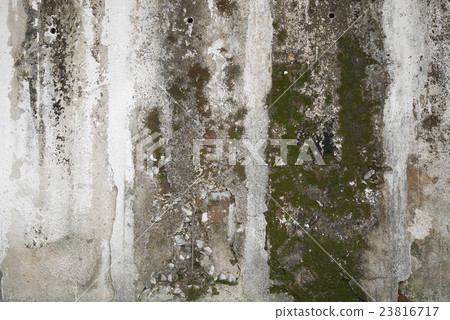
(427,212)
(86,215)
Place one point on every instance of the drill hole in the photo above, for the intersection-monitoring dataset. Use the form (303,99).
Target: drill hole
(190,20)
(331,15)
(53,30)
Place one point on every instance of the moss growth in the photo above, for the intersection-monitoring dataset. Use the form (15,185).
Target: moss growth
(359,150)
(199,76)
(327,273)
(275,25)
(323,278)
(337,186)
(214,291)
(227,283)
(196,291)
(239,169)
(235,132)
(282,36)
(240,114)
(199,286)
(288,106)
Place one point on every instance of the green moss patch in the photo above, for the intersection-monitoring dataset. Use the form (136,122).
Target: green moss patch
(329,201)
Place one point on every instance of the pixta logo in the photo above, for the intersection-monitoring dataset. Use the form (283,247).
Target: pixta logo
(151,154)
(252,150)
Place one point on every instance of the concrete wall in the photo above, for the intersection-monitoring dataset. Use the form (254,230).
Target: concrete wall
(84,216)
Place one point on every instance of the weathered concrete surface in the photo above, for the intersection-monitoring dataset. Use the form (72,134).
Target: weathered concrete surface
(60,196)
(120,145)
(428,204)
(257,85)
(82,217)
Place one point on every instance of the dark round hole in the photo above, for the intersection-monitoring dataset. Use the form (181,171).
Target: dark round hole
(190,20)
(53,30)
(331,15)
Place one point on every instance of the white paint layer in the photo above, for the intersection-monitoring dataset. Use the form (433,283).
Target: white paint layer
(6,140)
(405,42)
(257,78)
(123,271)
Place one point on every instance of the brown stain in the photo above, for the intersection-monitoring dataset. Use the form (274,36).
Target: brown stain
(164,186)
(416,183)
(291,57)
(431,122)
(210,134)
(401,295)
(219,209)
(403,298)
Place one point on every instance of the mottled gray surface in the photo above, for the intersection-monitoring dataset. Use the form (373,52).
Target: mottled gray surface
(82,86)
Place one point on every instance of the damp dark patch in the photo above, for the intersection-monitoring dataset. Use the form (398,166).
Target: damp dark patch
(57,109)
(24,63)
(288,105)
(327,146)
(235,132)
(282,36)
(430,122)
(171,39)
(152,121)
(176,90)
(232,71)
(239,169)
(226,6)
(356,113)
(199,76)
(64,20)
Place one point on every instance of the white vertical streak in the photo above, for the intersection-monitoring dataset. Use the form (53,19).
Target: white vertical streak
(257,78)
(6,139)
(405,42)
(119,145)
